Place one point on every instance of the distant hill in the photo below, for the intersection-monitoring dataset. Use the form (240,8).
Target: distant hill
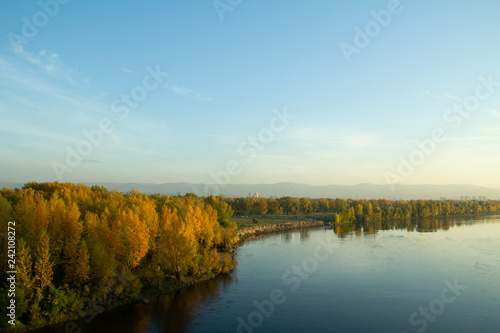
(360,191)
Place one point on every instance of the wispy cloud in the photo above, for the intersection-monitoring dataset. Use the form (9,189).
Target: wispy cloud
(125,70)
(435,95)
(427,92)
(202,98)
(50,64)
(454,98)
(26,130)
(180,90)
(185,91)
(494,113)
(92,161)
(50,96)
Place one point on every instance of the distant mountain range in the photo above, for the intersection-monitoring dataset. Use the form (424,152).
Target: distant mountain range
(360,191)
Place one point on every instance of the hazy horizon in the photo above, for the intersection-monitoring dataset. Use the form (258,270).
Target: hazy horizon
(298,190)
(255,183)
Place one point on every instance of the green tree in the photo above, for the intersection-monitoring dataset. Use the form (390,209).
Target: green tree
(367,211)
(305,206)
(358,211)
(77,266)
(259,206)
(224,211)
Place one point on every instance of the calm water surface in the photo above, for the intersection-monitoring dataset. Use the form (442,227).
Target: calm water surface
(431,276)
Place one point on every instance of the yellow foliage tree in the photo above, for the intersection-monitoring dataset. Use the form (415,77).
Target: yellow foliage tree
(24,280)
(229,236)
(43,266)
(135,236)
(177,247)
(204,224)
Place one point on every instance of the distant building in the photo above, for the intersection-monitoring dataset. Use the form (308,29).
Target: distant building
(256,195)
(474,197)
(442,198)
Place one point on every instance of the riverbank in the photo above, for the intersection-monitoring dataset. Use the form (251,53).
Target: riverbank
(147,294)
(76,321)
(248,233)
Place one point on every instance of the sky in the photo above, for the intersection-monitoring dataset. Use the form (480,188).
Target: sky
(238,91)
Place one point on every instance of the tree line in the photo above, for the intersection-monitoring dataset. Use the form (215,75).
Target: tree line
(350,210)
(81,250)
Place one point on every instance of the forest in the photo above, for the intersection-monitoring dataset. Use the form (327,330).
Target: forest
(81,250)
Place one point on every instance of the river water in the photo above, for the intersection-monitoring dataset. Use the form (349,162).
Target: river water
(437,275)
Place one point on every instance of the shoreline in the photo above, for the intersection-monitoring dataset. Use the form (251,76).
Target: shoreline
(244,235)
(249,233)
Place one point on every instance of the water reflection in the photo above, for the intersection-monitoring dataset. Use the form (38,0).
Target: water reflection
(304,234)
(179,309)
(430,224)
(168,313)
(290,237)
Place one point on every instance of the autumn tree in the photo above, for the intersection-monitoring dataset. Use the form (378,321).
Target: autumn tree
(135,237)
(224,211)
(305,206)
(24,263)
(43,266)
(259,206)
(77,266)
(5,211)
(177,247)
(204,224)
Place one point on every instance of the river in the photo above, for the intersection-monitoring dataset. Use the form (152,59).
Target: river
(437,275)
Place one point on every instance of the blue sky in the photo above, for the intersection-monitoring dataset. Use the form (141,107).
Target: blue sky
(354,118)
